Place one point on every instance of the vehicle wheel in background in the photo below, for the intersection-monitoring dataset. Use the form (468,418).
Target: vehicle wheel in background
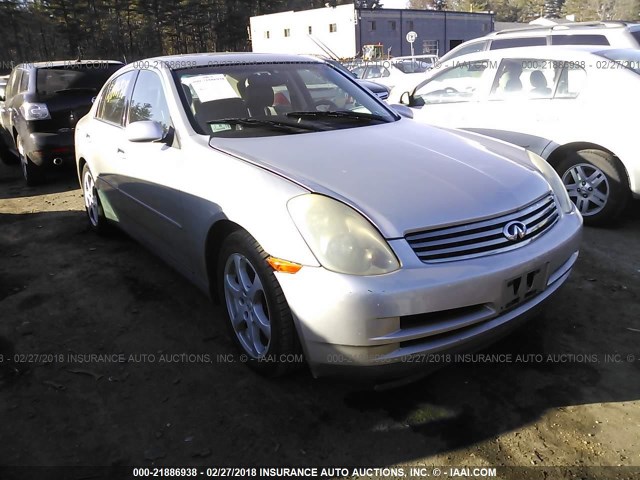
(32,174)
(257,312)
(596,183)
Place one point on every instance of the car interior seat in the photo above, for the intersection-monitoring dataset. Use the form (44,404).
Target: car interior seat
(539,83)
(259,96)
(220,109)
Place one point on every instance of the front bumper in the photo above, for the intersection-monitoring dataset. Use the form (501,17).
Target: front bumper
(381,324)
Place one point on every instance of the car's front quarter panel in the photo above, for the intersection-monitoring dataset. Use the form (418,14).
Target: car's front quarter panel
(220,187)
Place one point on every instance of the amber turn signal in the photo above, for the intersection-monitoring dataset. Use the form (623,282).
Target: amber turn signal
(284,266)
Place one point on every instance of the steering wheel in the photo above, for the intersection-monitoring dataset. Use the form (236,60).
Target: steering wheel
(326,102)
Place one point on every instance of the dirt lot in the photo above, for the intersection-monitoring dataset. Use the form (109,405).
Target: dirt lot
(65,292)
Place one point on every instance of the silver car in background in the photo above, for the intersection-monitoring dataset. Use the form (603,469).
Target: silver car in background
(324,221)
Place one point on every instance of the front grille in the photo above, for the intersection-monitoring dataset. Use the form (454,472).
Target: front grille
(482,238)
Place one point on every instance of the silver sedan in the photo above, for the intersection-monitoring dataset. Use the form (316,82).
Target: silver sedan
(326,223)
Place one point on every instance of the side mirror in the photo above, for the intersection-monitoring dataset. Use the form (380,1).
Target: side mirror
(402,110)
(2,93)
(405,98)
(144,131)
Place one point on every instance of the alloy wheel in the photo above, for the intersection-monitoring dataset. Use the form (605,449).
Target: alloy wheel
(587,187)
(247,305)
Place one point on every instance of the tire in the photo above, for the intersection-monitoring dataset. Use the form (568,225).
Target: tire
(6,156)
(257,313)
(95,213)
(597,184)
(31,172)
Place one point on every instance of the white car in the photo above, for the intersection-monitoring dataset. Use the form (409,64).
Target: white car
(323,221)
(574,106)
(395,71)
(611,33)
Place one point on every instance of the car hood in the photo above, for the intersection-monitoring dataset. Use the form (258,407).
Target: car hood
(402,176)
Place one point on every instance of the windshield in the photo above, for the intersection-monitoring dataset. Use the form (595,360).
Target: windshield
(623,58)
(74,78)
(235,100)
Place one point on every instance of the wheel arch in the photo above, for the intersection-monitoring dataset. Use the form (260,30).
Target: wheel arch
(216,235)
(560,152)
(80,166)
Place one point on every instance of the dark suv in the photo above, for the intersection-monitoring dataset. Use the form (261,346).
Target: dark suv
(42,104)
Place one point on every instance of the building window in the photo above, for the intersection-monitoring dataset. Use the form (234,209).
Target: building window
(287,32)
(267,34)
(410,25)
(392,25)
(430,47)
(372,25)
(333,28)
(310,29)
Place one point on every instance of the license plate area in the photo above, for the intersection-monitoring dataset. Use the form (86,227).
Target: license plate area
(519,289)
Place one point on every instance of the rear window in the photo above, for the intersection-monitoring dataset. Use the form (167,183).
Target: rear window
(636,35)
(517,42)
(579,40)
(73,78)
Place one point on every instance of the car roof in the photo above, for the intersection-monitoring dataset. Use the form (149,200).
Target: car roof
(64,63)
(563,27)
(177,62)
(543,51)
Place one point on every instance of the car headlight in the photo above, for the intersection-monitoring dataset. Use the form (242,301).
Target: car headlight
(342,240)
(550,175)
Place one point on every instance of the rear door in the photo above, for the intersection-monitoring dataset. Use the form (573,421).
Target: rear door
(103,139)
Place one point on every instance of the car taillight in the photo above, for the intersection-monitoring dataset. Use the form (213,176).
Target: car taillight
(35,111)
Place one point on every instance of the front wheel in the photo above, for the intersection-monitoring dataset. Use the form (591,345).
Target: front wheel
(258,315)
(596,183)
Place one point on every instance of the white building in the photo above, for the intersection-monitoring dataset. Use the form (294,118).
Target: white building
(289,32)
(345,30)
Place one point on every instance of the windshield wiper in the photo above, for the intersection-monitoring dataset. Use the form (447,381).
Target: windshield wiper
(339,114)
(254,122)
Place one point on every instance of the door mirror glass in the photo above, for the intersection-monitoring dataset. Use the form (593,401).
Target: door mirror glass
(144,131)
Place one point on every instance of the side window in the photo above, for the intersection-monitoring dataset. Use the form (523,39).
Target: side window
(579,40)
(358,71)
(148,101)
(376,71)
(572,80)
(525,78)
(112,102)
(517,42)
(470,48)
(458,84)
(24,82)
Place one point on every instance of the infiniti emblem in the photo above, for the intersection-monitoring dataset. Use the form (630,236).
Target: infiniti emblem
(514,231)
